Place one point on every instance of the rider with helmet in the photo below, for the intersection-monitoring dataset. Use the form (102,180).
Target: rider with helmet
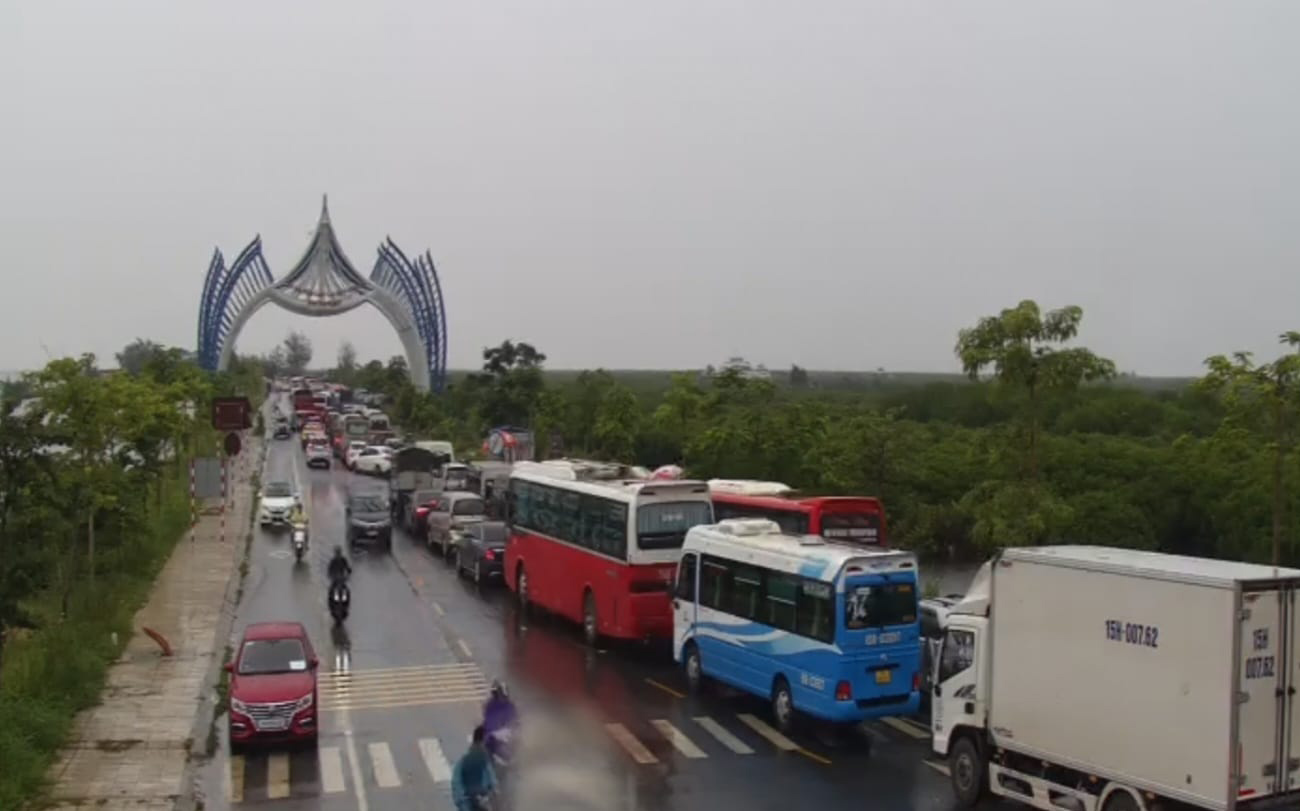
(339,568)
(473,778)
(499,721)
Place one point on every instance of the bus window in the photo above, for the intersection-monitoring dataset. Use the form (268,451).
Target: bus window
(686,579)
(746,590)
(715,584)
(781,593)
(878,605)
(814,615)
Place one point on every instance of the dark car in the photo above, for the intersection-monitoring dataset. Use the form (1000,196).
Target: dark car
(480,550)
(416,510)
(369,520)
(273,686)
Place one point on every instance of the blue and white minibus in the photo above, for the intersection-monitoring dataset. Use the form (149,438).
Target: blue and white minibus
(825,629)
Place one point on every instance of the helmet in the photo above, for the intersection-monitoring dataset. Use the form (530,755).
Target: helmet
(499,690)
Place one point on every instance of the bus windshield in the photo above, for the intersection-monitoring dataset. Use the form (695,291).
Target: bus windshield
(878,605)
(663,525)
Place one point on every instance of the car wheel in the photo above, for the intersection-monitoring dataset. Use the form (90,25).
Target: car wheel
(782,704)
(455,563)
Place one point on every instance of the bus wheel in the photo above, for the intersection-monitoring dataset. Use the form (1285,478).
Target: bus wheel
(590,627)
(691,664)
(521,588)
(782,704)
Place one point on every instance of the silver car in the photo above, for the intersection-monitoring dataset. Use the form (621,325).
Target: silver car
(458,510)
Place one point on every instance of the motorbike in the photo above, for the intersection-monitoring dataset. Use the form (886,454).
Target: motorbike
(500,724)
(340,598)
(299,541)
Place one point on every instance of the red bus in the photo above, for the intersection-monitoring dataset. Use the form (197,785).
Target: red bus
(595,543)
(857,520)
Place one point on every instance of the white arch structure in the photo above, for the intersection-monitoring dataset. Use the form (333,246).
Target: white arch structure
(325,283)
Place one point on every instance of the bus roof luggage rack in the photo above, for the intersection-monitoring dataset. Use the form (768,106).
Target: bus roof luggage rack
(748,527)
(588,470)
(750,487)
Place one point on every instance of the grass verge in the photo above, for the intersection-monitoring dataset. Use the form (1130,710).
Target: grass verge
(59,669)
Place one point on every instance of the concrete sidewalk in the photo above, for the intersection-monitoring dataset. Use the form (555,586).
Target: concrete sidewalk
(134,749)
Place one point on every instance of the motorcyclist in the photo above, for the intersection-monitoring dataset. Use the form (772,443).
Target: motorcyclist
(473,777)
(339,568)
(499,720)
(298,517)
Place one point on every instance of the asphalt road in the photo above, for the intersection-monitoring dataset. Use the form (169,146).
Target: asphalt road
(402,684)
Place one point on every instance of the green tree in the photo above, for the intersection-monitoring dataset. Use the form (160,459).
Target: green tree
(618,421)
(1265,397)
(297,352)
(136,355)
(798,377)
(1023,347)
(347,362)
(510,383)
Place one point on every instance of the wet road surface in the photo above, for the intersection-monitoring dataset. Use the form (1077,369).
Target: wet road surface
(402,682)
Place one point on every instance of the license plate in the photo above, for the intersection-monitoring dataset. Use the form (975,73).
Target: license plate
(273,725)
(883,676)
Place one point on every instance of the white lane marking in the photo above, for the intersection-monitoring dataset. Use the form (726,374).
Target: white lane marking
(724,736)
(381,760)
(778,740)
(277,775)
(909,729)
(435,760)
(438,608)
(331,770)
(629,742)
(465,648)
(235,779)
(678,739)
(355,764)
(941,768)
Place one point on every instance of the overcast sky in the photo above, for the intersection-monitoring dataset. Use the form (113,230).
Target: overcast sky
(663,184)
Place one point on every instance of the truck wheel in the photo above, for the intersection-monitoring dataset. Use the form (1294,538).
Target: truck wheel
(694,670)
(969,773)
(1120,801)
(590,625)
(782,704)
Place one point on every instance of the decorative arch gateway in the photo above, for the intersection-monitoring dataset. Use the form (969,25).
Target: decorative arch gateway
(325,283)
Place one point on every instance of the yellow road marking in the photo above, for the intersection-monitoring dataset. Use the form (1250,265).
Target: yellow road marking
(235,779)
(777,739)
(670,691)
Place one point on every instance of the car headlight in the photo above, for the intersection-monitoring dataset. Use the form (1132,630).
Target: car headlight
(238,706)
(303,703)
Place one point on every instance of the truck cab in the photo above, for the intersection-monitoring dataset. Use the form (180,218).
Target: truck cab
(959,704)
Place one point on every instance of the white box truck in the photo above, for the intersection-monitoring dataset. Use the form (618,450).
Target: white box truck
(1082,677)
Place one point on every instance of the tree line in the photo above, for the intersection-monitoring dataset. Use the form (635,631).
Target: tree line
(94,494)
(1042,443)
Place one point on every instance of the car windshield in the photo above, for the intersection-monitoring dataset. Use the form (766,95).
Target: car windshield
(877,605)
(368,504)
(272,656)
(664,525)
(468,506)
(278,490)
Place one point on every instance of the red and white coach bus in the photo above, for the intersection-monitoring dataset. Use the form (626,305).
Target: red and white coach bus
(858,520)
(598,543)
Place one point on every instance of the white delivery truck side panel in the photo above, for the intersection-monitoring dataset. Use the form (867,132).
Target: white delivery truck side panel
(1267,614)
(1116,674)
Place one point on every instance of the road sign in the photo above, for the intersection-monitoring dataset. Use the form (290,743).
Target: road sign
(233,445)
(231,413)
(207,477)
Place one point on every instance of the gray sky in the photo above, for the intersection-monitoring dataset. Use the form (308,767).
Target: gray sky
(663,184)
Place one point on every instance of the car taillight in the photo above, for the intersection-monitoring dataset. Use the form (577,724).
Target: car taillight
(843,691)
(916,680)
(489,555)
(420,512)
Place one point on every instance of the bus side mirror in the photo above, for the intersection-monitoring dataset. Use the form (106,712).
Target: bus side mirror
(938,691)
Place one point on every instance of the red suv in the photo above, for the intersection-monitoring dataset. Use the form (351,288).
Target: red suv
(273,685)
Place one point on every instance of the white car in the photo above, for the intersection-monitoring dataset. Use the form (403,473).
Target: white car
(376,460)
(277,502)
(354,449)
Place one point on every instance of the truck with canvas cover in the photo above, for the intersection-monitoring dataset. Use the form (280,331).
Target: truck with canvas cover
(414,469)
(1101,679)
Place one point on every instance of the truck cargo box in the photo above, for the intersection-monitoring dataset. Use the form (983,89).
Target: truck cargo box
(1173,674)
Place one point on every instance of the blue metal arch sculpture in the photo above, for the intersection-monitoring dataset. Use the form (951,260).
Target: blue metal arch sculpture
(323,283)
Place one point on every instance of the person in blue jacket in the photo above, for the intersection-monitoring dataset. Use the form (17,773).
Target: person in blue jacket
(473,777)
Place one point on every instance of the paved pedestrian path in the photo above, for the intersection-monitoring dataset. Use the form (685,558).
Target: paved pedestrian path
(132,751)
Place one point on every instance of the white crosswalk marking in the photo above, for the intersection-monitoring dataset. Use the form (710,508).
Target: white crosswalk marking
(331,770)
(678,739)
(277,775)
(629,742)
(724,736)
(402,686)
(778,740)
(907,728)
(381,760)
(435,760)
